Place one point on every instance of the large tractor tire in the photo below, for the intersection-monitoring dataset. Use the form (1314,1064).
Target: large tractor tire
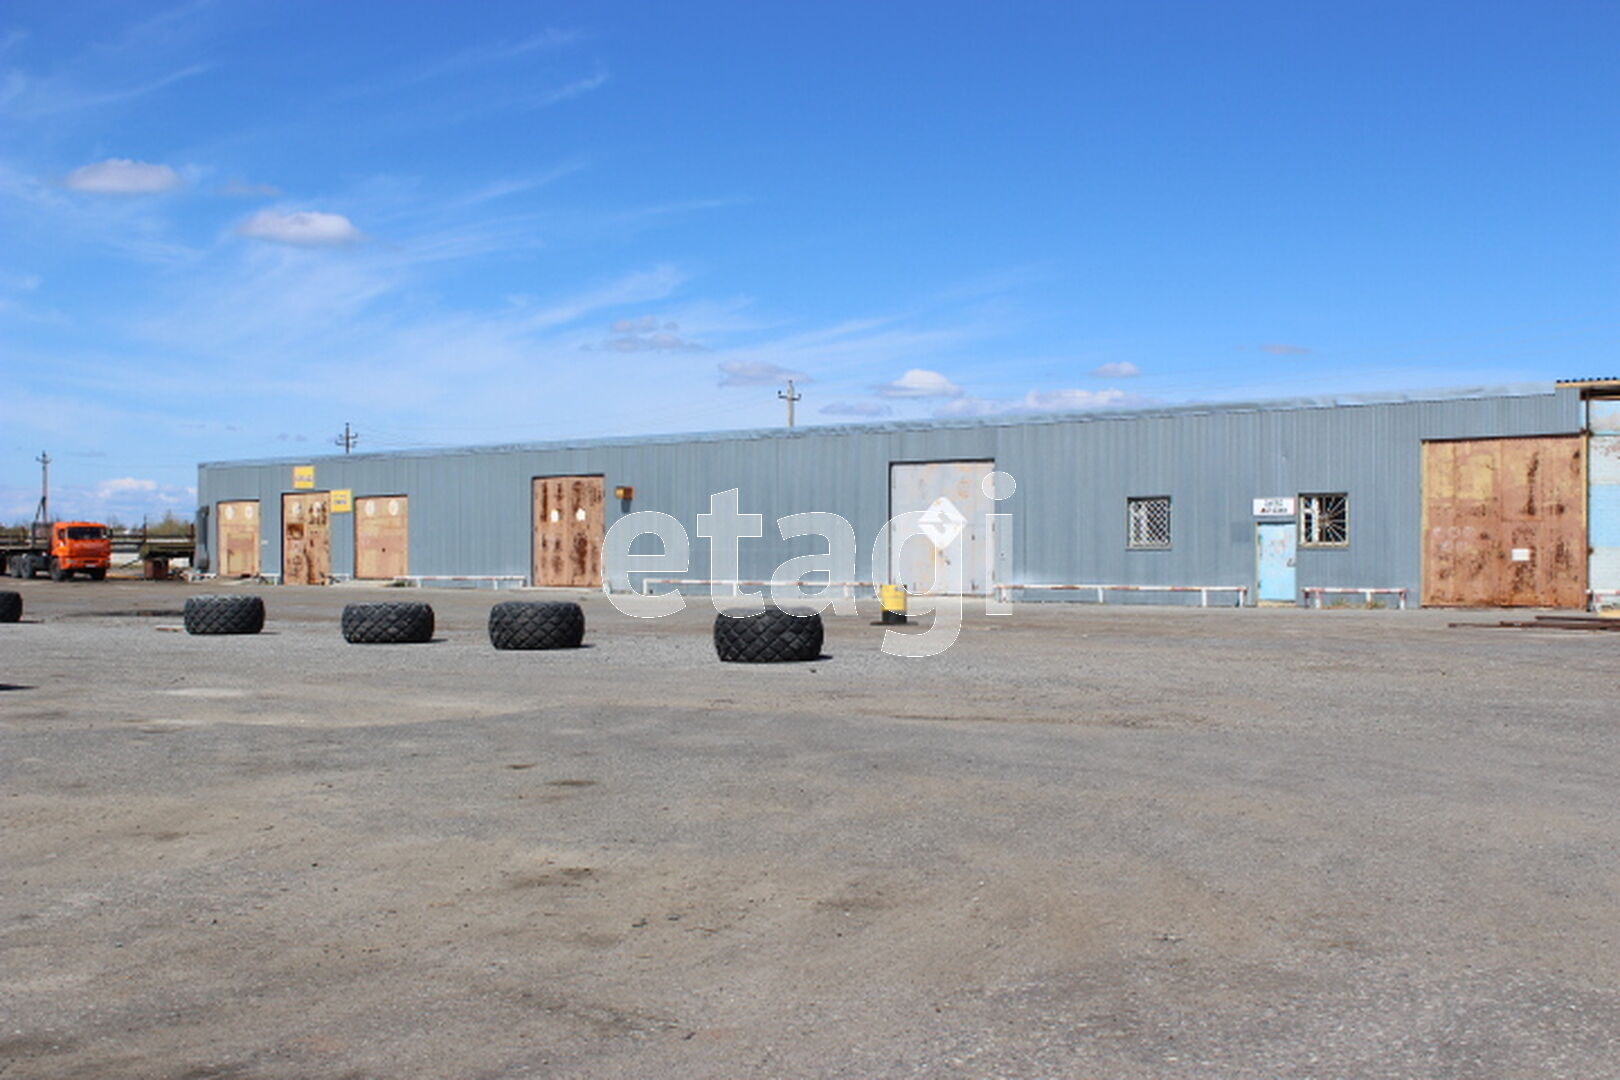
(10,606)
(224,614)
(771,636)
(522,624)
(387,624)
(57,573)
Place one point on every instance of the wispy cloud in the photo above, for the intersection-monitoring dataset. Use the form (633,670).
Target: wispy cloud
(870,409)
(567,91)
(1042,401)
(29,98)
(121,176)
(241,189)
(1122,369)
(646,334)
(756,373)
(1286,350)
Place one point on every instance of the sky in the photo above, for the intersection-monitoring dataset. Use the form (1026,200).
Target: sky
(229,227)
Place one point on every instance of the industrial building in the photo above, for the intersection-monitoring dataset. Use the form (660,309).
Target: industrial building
(1489,497)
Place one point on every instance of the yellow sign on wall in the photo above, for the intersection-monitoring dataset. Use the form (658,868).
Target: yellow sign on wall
(303,476)
(343,501)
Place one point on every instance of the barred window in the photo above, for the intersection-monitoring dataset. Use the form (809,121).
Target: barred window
(1324,520)
(1148,522)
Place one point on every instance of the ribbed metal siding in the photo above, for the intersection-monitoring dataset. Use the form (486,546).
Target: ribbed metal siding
(470,511)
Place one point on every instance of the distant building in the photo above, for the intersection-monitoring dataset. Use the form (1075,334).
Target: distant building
(1507,496)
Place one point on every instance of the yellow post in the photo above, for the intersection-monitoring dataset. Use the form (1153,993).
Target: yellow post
(894,603)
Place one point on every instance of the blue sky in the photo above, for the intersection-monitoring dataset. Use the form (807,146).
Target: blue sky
(226,228)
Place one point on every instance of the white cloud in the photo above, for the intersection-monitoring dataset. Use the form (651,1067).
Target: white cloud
(302,228)
(121,176)
(1068,400)
(857,408)
(1123,369)
(1042,401)
(973,406)
(920,383)
(756,373)
(569,91)
(1286,350)
(124,485)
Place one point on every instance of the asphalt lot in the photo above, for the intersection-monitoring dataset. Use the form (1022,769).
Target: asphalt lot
(1111,842)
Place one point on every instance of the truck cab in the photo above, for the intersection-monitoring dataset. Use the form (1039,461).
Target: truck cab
(82,547)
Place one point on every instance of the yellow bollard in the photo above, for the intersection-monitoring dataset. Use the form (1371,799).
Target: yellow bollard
(894,603)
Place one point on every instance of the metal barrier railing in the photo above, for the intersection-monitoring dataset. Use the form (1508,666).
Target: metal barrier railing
(1314,593)
(1004,592)
(848,586)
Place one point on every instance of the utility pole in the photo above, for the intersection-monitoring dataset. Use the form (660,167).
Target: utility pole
(789,396)
(348,438)
(44,512)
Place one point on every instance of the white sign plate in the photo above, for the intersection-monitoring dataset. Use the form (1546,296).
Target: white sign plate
(1275,507)
(1521,554)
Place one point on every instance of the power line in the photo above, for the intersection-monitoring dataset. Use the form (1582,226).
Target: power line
(348,438)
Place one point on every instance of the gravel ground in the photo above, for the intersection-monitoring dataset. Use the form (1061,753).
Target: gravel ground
(1122,841)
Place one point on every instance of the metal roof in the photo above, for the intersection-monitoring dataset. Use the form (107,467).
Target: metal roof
(1000,420)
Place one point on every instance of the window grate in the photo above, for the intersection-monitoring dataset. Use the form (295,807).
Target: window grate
(1324,520)
(1148,522)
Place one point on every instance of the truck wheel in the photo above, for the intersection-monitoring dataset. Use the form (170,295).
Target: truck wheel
(224,614)
(387,624)
(98,574)
(768,637)
(521,624)
(10,606)
(57,573)
(16,565)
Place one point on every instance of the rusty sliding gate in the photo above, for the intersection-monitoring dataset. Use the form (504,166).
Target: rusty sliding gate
(1504,522)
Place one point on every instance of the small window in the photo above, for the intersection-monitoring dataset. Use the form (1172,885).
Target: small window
(1148,522)
(1324,520)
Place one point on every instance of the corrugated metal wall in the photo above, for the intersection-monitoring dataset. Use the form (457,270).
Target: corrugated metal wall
(470,509)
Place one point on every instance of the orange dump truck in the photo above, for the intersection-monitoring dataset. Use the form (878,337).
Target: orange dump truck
(62,549)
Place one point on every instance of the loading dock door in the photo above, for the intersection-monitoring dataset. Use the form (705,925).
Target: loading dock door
(568,527)
(1504,522)
(954,540)
(1276,551)
(382,530)
(306,538)
(238,538)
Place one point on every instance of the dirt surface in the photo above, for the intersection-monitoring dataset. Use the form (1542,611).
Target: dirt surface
(1113,842)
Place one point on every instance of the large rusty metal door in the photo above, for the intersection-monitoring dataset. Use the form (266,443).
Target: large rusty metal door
(568,526)
(949,548)
(306,538)
(382,537)
(238,538)
(1603,501)
(1504,522)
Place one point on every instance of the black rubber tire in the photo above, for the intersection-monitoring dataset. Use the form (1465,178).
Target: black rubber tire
(387,624)
(59,574)
(224,614)
(18,566)
(98,574)
(10,606)
(771,636)
(526,624)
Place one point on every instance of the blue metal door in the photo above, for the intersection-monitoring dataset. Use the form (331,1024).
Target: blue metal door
(1274,561)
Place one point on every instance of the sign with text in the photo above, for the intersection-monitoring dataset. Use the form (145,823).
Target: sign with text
(303,476)
(342,501)
(1279,506)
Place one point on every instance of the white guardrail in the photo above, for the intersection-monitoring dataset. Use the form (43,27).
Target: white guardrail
(1004,592)
(849,586)
(1315,593)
